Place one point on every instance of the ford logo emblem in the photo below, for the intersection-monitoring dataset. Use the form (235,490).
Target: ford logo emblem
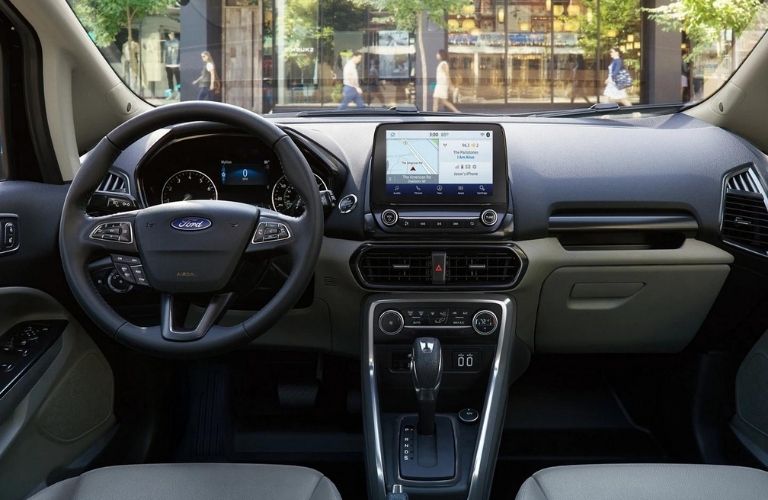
(191,223)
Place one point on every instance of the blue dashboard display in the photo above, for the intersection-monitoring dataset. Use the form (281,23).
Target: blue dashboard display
(244,174)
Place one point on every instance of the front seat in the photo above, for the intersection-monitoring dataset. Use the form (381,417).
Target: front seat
(646,482)
(194,482)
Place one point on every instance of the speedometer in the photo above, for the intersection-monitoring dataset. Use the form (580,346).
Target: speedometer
(189,185)
(285,198)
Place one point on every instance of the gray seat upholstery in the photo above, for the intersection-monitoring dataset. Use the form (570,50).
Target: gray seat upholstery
(194,482)
(646,482)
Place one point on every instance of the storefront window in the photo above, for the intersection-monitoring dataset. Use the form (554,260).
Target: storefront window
(499,55)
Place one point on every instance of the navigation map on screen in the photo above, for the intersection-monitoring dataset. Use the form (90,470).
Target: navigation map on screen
(439,162)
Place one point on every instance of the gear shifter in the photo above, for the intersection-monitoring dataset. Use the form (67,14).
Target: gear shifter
(427,369)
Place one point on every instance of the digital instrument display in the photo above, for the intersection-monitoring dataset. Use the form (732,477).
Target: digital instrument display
(244,174)
(439,163)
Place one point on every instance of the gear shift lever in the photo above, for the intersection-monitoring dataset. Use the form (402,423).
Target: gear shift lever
(427,369)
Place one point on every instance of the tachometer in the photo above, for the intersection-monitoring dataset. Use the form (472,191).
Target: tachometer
(285,198)
(189,185)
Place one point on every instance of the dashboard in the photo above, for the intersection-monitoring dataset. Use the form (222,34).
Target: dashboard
(591,223)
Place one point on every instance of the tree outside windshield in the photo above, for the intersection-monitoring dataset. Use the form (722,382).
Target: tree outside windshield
(492,56)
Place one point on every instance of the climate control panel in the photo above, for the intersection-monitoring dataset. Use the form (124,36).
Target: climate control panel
(470,320)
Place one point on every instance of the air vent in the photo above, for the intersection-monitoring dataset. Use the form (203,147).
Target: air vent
(745,212)
(482,267)
(394,267)
(114,183)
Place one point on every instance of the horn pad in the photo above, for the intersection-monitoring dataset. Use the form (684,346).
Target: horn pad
(193,246)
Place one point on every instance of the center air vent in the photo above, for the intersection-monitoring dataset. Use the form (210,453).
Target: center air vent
(745,212)
(398,267)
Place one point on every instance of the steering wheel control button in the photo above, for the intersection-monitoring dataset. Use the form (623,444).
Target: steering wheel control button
(113,231)
(347,203)
(389,217)
(139,276)
(117,284)
(485,322)
(270,231)
(126,259)
(489,217)
(469,415)
(391,322)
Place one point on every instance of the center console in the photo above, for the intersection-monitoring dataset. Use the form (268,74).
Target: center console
(439,177)
(435,391)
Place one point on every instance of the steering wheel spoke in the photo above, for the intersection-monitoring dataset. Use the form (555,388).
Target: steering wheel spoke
(277,232)
(217,305)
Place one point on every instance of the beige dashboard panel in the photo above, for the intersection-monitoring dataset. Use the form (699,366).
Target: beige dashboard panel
(625,308)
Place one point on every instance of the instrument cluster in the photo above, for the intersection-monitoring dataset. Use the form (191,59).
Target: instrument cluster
(221,167)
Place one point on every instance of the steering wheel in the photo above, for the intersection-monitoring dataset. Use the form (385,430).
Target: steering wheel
(189,247)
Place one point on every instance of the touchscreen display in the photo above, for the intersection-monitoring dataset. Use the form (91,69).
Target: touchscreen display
(437,162)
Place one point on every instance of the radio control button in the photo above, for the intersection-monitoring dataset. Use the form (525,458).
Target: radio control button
(489,217)
(389,217)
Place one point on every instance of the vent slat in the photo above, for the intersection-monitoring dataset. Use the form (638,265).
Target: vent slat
(113,183)
(745,216)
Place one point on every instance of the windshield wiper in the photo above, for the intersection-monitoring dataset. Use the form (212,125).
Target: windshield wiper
(400,110)
(611,108)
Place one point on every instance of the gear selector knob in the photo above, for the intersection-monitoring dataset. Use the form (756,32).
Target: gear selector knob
(427,370)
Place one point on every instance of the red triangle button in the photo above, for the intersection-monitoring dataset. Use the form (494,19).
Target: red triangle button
(438,268)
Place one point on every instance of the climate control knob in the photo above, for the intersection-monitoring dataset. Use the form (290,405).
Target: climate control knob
(485,322)
(391,322)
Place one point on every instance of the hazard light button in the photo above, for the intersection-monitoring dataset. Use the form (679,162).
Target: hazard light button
(438,268)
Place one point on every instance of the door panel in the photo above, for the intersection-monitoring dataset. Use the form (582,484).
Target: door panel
(56,387)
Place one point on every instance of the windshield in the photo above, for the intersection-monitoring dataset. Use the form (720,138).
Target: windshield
(480,56)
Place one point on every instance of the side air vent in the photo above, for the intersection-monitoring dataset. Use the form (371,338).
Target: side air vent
(114,183)
(745,212)
(454,267)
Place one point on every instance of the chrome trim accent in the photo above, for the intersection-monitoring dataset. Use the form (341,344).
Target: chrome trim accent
(494,392)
